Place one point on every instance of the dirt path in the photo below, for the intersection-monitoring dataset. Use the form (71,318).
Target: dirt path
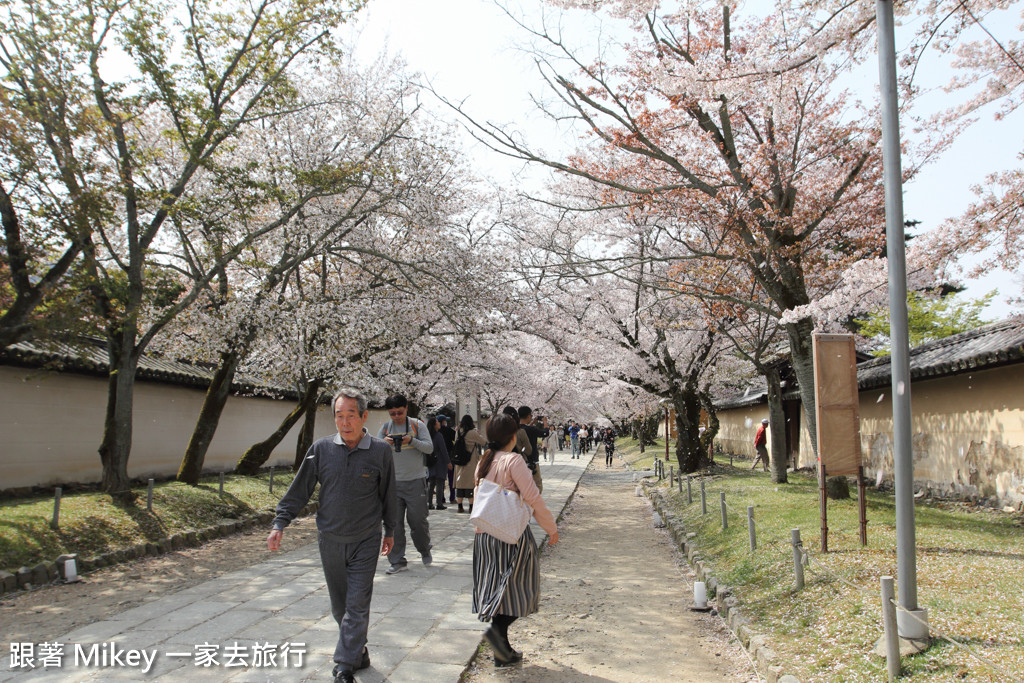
(48,612)
(615,602)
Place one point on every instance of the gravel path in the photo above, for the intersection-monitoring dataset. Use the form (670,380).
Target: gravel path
(615,602)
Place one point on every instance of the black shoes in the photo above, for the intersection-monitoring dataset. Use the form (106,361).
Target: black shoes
(348,676)
(504,655)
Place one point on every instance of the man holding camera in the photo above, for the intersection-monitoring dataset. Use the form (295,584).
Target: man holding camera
(410,440)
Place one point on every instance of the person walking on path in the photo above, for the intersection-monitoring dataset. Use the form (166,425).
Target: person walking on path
(615,602)
(401,432)
(356,474)
(506,576)
(761,445)
(609,447)
(449,441)
(437,473)
(465,475)
(574,439)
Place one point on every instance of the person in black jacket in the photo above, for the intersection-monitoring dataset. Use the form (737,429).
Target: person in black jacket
(449,443)
(437,473)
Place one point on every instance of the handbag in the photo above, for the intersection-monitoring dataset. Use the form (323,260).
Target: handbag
(499,512)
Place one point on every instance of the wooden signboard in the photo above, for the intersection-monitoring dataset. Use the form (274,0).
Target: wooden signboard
(838,420)
(837,404)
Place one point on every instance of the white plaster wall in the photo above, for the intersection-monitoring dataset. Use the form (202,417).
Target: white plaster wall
(51,425)
(968,433)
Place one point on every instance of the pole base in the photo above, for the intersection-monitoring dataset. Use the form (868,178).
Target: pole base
(912,624)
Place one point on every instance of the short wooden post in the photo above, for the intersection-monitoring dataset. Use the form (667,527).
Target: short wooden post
(55,522)
(671,475)
(703,499)
(725,517)
(892,639)
(271,479)
(149,496)
(221,484)
(798,564)
(689,491)
(730,460)
(750,528)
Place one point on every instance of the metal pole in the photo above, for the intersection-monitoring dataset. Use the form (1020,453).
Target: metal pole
(725,517)
(689,491)
(750,528)
(55,522)
(149,496)
(862,506)
(906,543)
(703,499)
(798,560)
(892,640)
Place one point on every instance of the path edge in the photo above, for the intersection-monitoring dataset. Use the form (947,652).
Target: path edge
(765,658)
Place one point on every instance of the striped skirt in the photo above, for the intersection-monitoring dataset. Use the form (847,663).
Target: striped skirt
(506,576)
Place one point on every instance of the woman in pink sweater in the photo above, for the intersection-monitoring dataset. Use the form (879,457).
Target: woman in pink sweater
(506,576)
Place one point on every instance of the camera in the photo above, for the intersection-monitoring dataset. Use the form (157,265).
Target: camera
(397,439)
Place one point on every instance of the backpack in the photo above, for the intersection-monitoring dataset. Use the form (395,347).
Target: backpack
(461,455)
(430,459)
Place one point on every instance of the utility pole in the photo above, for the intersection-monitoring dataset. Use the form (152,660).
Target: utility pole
(912,620)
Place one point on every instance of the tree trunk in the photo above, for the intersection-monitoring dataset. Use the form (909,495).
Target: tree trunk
(802,354)
(305,439)
(209,417)
(117,426)
(777,429)
(689,454)
(259,453)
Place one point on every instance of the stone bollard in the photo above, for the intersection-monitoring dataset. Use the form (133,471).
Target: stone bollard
(892,639)
(750,528)
(55,522)
(798,565)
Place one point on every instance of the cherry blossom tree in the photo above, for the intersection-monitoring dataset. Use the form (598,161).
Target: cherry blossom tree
(735,126)
(155,94)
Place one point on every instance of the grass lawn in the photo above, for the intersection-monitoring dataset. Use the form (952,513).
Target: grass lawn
(90,523)
(969,574)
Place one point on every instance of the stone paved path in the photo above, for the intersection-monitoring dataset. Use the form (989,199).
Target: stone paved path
(422,627)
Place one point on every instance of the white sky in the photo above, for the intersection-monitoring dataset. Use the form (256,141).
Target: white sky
(467,49)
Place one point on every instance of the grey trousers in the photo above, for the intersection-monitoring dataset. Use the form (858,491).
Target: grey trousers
(349,570)
(412,505)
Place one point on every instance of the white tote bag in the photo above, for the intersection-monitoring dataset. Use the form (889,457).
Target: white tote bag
(499,512)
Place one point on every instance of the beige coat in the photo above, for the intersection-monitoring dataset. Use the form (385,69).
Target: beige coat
(465,476)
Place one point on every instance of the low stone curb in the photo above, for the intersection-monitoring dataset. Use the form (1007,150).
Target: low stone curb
(44,573)
(756,643)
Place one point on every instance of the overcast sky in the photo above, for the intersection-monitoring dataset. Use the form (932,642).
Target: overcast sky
(468,50)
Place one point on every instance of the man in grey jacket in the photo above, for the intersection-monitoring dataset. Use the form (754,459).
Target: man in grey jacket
(356,474)
(411,440)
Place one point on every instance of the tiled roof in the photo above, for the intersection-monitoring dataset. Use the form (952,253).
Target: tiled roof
(990,346)
(89,356)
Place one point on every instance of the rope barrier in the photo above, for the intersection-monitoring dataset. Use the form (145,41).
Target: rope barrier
(805,560)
